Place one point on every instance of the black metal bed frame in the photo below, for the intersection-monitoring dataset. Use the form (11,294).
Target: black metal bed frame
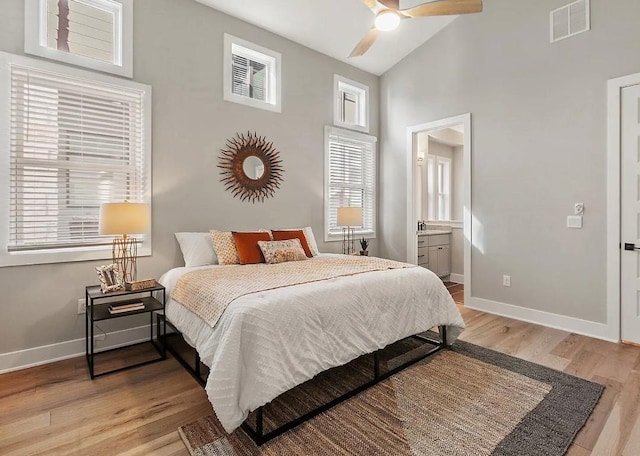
(258,435)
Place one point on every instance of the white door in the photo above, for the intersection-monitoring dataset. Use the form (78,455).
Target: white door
(630,210)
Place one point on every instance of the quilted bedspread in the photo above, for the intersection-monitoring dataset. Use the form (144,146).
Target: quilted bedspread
(267,342)
(208,292)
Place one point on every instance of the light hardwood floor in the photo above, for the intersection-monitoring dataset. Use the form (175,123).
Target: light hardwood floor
(57,409)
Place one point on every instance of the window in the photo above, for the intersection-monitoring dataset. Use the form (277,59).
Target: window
(439,188)
(75,140)
(251,74)
(351,104)
(96,34)
(350,179)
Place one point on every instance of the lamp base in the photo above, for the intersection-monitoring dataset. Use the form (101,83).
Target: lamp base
(348,238)
(125,253)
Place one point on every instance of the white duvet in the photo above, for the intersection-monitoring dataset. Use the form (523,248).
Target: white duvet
(268,342)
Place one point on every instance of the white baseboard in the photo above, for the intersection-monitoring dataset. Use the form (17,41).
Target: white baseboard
(562,322)
(456,278)
(37,356)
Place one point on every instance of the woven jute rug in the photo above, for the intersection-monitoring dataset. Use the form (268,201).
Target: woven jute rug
(466,400)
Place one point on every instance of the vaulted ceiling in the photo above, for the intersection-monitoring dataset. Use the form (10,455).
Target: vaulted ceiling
(334,27)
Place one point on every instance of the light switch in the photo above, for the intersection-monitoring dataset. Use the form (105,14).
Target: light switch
(574,221)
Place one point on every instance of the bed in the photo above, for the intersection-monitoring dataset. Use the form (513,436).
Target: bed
(267,342)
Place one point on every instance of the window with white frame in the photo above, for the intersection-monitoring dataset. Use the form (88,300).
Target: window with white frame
(95,34)
(350,179)
(439,188)
(351,104)
(75,140)
(251,74)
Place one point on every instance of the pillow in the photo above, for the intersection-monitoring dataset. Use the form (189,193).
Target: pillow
(247,246)
(282,251)
(283,235)
(197,249)
(311,240)
(225,247)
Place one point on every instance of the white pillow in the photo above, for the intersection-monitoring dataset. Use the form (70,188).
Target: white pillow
(197,249)
(311,240)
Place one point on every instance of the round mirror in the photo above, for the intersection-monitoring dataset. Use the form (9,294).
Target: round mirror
(253,167)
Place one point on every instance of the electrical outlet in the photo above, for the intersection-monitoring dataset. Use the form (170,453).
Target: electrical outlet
(82,308)
(578,209)
(506,281)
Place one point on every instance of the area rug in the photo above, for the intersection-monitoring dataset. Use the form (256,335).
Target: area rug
(466,400)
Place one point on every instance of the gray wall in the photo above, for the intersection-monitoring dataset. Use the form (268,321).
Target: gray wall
(178,50)
(539,144)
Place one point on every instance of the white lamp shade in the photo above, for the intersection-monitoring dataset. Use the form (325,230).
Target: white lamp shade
(124,218)
(349,216)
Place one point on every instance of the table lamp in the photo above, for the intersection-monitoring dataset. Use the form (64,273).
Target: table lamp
(348,217)
(125,219)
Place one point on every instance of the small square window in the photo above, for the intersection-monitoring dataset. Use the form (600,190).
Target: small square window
(95,34)
(251,74)
(351,104)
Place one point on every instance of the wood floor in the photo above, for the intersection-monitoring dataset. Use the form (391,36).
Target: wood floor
(56,409)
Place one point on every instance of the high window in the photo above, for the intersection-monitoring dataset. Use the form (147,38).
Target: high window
(350,179)
(95,34)
(351,104)
(75,140)
(251,74)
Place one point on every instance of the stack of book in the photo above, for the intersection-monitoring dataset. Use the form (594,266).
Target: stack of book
(129,307)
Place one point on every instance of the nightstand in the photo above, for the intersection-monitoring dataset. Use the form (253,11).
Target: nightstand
(97,309)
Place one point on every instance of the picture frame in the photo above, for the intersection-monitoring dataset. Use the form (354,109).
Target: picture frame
(110,278)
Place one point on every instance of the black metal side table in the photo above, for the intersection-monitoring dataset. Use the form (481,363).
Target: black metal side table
(97,310)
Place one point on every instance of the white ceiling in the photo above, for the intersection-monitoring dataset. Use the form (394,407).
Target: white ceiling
(334,27)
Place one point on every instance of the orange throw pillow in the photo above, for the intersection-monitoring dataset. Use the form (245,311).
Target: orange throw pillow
(247,245)
(284,235)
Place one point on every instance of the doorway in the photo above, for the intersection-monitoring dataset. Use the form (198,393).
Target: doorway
(439,197)
(623,210)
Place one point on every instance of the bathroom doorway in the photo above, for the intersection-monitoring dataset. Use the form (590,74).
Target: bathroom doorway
(439,198)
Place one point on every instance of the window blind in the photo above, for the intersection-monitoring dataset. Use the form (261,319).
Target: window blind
(249,78)
(351,177)
(74,144)
(82,28)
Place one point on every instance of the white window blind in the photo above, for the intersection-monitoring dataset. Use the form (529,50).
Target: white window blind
(74,144)
(350,178)
(249,78)
(84,27)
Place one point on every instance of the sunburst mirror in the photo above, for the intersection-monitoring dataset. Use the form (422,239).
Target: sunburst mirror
(251,167)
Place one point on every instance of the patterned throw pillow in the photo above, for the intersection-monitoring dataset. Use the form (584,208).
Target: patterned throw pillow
(225,247)
(283,235)
(282,251)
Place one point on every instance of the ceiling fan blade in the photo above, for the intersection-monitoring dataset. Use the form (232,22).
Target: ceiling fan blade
(444,8)
(365,43)
(371,4)
(391,4)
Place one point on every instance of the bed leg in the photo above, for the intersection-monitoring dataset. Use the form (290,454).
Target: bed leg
(197,366)
(259,416)
(443,335)
(376,364)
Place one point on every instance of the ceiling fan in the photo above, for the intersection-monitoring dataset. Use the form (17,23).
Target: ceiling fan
(388,16)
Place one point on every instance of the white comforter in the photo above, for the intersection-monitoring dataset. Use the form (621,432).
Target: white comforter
(268,342)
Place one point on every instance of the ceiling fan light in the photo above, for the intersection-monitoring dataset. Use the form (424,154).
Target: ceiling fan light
(387,21)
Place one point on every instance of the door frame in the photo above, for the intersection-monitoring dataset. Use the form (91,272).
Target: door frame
(412,216)
(614,212)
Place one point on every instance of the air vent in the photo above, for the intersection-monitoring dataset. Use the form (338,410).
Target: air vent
(570,20)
